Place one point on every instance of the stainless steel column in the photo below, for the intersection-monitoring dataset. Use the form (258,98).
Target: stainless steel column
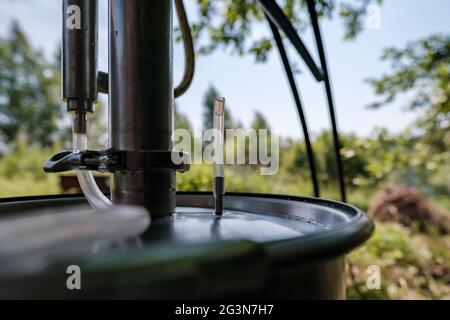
(79,59)
(141,97)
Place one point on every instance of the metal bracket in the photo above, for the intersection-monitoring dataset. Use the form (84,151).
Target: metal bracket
(116,160)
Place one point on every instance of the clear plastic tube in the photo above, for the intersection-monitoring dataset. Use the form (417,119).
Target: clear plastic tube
(91,191)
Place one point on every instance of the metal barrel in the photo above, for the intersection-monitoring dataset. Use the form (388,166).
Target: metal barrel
(263,246)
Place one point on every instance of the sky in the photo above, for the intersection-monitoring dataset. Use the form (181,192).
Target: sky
(250,86)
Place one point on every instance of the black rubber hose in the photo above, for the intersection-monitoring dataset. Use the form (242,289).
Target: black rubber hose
(296,95)
(326,78)
(189,54)
(277,16)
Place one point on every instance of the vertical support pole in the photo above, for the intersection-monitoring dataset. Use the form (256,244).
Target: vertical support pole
(141,97)
(326,78)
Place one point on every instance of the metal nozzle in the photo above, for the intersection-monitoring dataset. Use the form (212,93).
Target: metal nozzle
(80,123)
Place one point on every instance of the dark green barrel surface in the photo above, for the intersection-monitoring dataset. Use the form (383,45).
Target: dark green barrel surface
(264,246)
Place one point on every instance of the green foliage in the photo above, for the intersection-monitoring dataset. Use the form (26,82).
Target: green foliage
(260,122)
(380,158)
(423,67)
(421,70)
(353,154)
(181,121)
(200,178)
(407,159)
(412,265)
(353,15)
(233,23)
(21,171)
(29,92)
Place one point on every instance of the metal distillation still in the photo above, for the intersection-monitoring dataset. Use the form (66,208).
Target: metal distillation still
(255,245)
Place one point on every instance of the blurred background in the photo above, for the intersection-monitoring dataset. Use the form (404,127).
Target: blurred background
(390,71)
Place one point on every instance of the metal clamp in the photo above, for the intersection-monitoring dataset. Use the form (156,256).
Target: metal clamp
(116,160)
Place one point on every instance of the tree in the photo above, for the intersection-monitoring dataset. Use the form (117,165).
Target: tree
(260,122)
(355,156)
(232,23)
(422,67)
(421,70)
(29,92)
(181,121)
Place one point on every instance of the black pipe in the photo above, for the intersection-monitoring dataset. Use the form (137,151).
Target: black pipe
(278,17)
(141,97)
(296,95)
(326,78)
(189,52)
(79,59)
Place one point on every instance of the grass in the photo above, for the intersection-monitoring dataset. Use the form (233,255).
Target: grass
(413,265)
